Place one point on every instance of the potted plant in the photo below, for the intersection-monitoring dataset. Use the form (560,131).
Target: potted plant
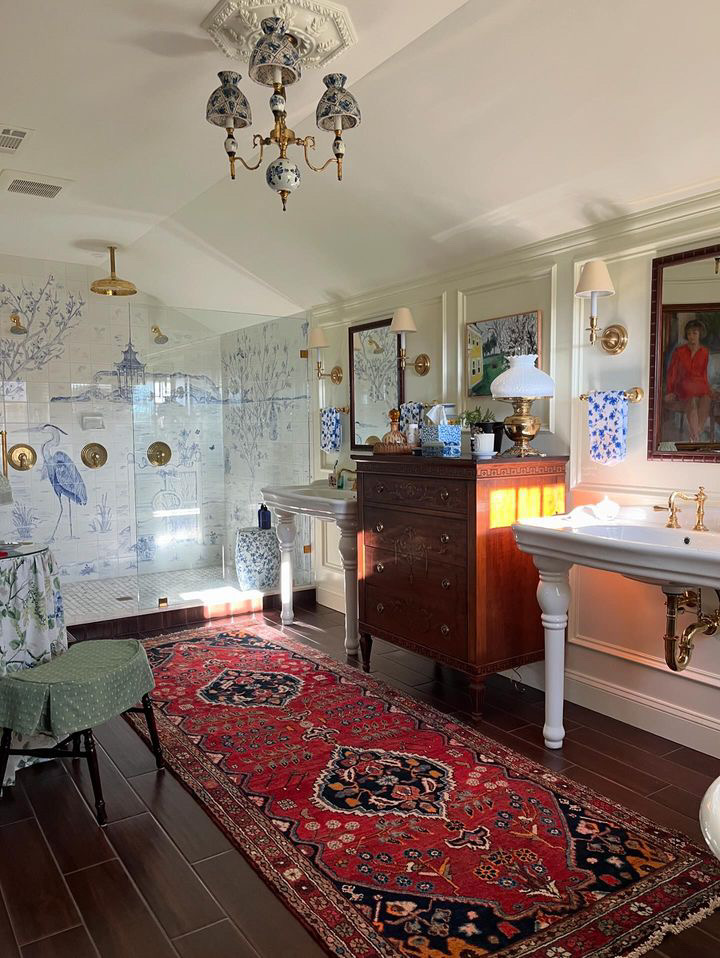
(483,420)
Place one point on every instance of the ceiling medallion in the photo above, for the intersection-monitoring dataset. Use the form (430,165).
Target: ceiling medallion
(323,30)
(275,61)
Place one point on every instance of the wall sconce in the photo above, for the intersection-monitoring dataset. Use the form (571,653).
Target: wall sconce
(595,281)
(403,322)
(318,340)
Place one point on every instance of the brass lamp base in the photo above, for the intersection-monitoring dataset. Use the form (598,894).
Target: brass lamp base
(521,428)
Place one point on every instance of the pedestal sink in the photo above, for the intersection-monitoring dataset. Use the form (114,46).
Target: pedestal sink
(331,505)
(636,544)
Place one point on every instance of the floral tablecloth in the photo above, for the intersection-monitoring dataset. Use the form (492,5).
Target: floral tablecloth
(32,625)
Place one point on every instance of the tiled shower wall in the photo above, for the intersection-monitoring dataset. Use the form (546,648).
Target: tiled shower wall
(89,371)
(266,422)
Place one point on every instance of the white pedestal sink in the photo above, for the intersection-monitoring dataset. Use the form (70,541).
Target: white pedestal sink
(637,545)
(330,505)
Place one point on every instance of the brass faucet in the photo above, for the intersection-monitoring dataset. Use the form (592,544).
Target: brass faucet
(699,497)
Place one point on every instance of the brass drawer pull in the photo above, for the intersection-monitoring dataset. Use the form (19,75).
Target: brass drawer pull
(445,629)
(380,607)
(379,488)
(445,583)
(444,538)
(444,495)
(379,567)
(379,527)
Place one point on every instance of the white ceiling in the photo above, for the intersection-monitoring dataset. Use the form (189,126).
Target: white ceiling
(486,125)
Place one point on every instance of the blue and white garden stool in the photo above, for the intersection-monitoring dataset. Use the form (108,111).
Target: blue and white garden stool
(257,559)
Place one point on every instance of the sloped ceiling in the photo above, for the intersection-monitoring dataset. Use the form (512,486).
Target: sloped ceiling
(486,125)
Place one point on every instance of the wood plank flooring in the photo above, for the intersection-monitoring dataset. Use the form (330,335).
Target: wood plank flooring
(162,881)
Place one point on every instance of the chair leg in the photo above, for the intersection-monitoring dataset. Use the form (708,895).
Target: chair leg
(152,730)
(95,776)
(4,754)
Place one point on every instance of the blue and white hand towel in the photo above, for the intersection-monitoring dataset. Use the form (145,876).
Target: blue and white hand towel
(607,424)
(410,412)
(330,429)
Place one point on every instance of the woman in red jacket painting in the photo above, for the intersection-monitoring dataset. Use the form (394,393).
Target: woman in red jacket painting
(688,389)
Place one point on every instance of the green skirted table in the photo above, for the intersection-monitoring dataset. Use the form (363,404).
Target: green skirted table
(32,625)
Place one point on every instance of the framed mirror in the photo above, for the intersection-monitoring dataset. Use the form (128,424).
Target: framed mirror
(377,384)
(684,405)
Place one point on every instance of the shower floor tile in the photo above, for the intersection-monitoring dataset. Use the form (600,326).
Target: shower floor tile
(115,598)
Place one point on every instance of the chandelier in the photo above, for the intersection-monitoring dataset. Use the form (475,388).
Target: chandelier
(275,62)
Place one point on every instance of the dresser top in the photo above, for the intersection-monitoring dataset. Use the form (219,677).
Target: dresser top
(461,467)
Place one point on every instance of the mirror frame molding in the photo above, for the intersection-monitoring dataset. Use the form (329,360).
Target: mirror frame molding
(376,324)
(655,378)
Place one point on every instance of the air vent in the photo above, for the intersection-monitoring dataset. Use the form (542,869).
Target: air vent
(31,184)
(12,138)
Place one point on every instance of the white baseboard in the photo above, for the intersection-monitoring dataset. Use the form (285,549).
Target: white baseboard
(694,729)
(330,598)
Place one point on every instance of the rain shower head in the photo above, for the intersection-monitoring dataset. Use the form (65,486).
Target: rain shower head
(16,325)
(159,336)
(111,285)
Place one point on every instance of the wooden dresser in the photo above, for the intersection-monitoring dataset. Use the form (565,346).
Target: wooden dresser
(438,569)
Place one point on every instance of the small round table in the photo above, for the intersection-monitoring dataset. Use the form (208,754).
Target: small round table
(32,624)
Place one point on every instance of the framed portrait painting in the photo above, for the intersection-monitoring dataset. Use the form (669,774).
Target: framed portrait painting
(489,342)
(684,406)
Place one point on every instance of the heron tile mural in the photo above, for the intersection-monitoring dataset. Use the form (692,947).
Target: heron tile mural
(88,370)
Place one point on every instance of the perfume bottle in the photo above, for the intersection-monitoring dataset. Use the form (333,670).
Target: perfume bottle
(394,437)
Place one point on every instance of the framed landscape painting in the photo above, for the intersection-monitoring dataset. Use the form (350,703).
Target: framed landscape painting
(490,341)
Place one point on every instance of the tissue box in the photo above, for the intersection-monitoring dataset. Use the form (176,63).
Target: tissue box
(449,436)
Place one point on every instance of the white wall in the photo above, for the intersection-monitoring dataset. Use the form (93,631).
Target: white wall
(615,652)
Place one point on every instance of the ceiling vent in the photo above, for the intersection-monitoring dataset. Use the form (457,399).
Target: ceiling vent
(31,184)
(12,138)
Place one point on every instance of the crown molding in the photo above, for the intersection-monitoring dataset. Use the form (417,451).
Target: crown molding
(659,219)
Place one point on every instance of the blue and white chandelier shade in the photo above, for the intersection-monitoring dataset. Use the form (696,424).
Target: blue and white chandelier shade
(275,62)
(337,109)
(227,106)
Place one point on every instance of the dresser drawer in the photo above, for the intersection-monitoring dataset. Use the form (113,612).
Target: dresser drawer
(440,494)
(410,617)
(412,536)
(440,584)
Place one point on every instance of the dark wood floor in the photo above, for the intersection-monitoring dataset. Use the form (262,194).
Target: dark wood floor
(161,880)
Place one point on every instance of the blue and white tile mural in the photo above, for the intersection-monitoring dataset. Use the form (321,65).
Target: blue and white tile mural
(266,421)
(234,409)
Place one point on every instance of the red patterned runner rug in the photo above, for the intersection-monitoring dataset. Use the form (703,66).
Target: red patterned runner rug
(390,829)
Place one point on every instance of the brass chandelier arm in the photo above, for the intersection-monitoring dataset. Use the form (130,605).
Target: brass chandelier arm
(309,142)
(257,141)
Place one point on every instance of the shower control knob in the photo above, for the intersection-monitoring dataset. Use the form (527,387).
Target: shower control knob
(379,527)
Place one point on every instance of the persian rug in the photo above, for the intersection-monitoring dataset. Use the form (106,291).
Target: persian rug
(390,829)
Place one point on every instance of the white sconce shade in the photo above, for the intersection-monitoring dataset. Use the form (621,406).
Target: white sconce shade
(522,379)
(402,321)
(317,338)
(594,279)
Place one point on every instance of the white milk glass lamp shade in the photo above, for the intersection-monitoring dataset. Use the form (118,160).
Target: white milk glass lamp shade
(402,321)
(317,338)
(522,379)
(594,280)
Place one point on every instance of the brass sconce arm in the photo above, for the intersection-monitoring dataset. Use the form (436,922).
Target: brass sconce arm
(335,375)
(421,363)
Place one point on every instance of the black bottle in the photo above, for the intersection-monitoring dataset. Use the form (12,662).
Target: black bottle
(264,517)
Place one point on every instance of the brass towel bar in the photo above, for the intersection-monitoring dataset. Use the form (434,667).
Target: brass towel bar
(636,394)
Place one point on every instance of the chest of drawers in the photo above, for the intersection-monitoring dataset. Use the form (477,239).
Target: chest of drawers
(438,570)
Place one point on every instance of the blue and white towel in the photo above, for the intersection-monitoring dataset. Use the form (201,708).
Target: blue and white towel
(607,424)
(410,412)
(330,429)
